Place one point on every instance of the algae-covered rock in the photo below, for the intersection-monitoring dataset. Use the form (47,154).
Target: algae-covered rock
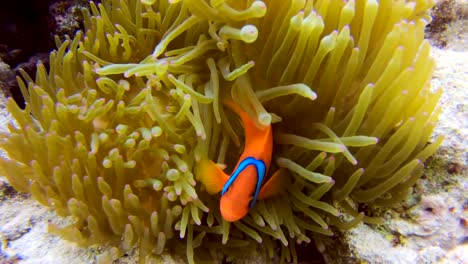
(430,226)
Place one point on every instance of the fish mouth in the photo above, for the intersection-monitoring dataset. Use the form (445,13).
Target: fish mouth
(233,211)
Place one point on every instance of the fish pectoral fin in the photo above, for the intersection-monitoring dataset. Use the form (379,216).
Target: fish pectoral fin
(274,185)
(210,175)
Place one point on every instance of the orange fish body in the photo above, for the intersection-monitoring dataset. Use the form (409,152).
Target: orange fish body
(244,186)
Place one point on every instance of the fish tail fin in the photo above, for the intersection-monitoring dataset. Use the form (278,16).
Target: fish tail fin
(210,175)
(237,109)
(229,102)
(274,185)
(250,128)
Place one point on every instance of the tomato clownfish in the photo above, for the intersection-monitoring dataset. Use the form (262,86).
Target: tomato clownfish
(246,184)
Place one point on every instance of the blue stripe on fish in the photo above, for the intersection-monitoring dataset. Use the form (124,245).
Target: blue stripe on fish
(261,170)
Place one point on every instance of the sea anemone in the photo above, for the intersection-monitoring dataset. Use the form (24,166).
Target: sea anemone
(112,131)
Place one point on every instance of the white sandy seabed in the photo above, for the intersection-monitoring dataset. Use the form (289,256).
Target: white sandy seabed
(430,227)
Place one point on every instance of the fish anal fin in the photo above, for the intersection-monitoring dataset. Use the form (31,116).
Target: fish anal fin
(274,185)
(210,175)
